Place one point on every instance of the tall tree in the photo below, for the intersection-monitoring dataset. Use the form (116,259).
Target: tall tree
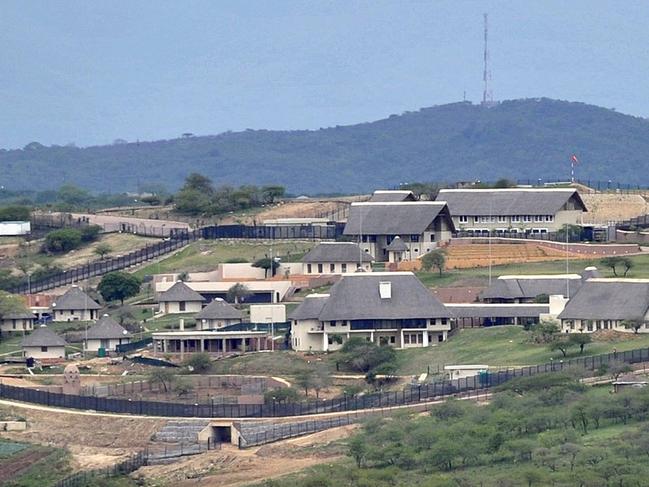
(119,285)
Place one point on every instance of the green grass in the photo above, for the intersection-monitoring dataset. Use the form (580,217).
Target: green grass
(206,254)
(499,346)
(280,363)
(46,471)
(169,322)
(481,274)
(10,343)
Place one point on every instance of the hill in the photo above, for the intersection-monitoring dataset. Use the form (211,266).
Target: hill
(530,138)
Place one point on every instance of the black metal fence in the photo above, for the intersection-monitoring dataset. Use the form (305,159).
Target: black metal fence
(89,477)
(275,232)
(178,240)
(410,395)
(129,347)
(597,185)
(102,267)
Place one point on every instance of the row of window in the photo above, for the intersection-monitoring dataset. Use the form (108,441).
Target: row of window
(332,268)
(505,219)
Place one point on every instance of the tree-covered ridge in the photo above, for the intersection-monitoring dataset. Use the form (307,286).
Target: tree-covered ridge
(543,430)
(531,138)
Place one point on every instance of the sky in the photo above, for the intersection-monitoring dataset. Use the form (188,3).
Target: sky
(90,72)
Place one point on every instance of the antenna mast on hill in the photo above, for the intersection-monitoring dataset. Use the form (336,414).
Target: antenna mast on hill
(487,96)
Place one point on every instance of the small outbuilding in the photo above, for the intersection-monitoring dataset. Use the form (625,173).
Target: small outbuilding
(336,258)
(217,314)
(180,298)
(106,334)
(43,343)
(75,305)
(17,322)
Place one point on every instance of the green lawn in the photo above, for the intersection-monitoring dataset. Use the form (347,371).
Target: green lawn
(169,322)
(481,274)
(267,363)
(499,346)
(206,254)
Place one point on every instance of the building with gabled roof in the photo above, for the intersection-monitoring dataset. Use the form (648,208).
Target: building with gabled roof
(607,304)
(513,210)
(43,343)
(217,314)
(392,195)
(75,305)
(180,298)
(336,258)
(390,308)
(526,288)
(421,225)
(106,334)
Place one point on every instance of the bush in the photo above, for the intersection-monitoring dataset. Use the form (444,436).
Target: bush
(63,240)
(90,233)
(14,213)
(119,285)
(283,394)
(200,363)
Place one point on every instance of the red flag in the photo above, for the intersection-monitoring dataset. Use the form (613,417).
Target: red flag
(574,159)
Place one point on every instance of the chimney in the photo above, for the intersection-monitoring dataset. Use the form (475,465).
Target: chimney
(182,324)
(385,289)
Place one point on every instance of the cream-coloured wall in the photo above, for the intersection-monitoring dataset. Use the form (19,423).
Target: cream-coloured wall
(337,268)
(214,324)
(37,353)
(19,325)
(173,307)
(561,218)
(75,315)
(590,326)
(303,341)
(95,345)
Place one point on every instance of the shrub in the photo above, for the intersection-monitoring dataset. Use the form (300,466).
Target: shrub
(90,233)
(200,363)
(63,240)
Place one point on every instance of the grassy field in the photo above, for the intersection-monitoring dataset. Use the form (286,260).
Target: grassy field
(44,465)
(480,275)
(494,346)
(499,346)
(206,254)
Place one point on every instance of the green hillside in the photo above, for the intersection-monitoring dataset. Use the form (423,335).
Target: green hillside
(516,139)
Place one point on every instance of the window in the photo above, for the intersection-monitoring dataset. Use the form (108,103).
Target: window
(463,219)
(527,218)
(502,219)
(393,339)
(43,349)
(476,219)
(406,339)
(182,306)
(332,323)
(332,267)
(416,250)
(549,218)
(319,268)
(343,267)
(444,321)
(308,269)
(516,218)
(414,238)
(538,218)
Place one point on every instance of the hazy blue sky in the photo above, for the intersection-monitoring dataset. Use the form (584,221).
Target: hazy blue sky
(92,71)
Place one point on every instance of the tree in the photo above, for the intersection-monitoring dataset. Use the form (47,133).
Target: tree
(628,264)
(634,325)
(272,193)
(119,285)
(358,449)
(14,213)
(612,262)
(199,363)
(90,233)
(237,293)
(544,332)
(362,356)
(580,340)
(183,386)
(321,380)
(162,376)
(102,250)
(63,240)
(435,259)
(266,264)
(560,343)
(305,380)
(198,182)
(281,394)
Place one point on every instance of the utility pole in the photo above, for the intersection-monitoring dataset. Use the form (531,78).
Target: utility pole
(487,96)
